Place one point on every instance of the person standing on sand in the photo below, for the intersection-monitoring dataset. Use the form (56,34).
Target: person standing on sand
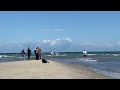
(85,53)
(23,54)
(35,53)
(39,53)
(29,53)
(52,53)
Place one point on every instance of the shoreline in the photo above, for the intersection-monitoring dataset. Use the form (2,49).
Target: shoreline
(35,69)
(89,70)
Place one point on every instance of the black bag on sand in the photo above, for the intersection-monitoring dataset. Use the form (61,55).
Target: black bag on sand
(44,61)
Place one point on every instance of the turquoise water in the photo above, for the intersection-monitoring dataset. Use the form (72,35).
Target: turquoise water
(108,63)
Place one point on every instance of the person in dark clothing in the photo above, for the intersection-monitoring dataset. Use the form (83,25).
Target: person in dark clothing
(36,55)
(29,53)
(23,54)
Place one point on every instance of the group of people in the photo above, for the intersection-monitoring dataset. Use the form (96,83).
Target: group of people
(37,51)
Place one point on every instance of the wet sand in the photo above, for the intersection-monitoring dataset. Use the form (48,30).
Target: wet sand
(35,69)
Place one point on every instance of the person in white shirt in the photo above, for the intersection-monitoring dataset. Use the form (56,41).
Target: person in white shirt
(85,53)
(52,53)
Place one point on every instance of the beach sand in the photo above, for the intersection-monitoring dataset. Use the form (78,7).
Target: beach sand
(35,69)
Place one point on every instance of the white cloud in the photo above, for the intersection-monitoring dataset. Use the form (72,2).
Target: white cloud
(96,46)
(118,43)
(68,39)
(46,45)
(58,45)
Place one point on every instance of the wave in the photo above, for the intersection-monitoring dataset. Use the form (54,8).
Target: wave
(20,57)
(5,56)
(58,54)
(92,54)
(1,56)
(115,54)
(104,55)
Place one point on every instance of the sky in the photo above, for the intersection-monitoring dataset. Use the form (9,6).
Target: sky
(60,30)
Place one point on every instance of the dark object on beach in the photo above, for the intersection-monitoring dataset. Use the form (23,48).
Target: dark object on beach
(44,61)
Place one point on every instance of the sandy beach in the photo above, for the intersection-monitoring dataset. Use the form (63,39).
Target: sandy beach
(35,69)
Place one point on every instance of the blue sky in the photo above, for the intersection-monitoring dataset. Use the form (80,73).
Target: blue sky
(77,28)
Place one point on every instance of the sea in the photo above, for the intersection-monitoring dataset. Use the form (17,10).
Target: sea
(107,63)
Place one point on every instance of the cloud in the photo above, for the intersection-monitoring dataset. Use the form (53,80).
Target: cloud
(58,45)
(96,46)
(46,45)
(118,43)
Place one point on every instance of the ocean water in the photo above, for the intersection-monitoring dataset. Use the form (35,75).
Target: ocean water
(108,63)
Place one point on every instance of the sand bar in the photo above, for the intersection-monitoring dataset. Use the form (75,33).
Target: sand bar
(35,69)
